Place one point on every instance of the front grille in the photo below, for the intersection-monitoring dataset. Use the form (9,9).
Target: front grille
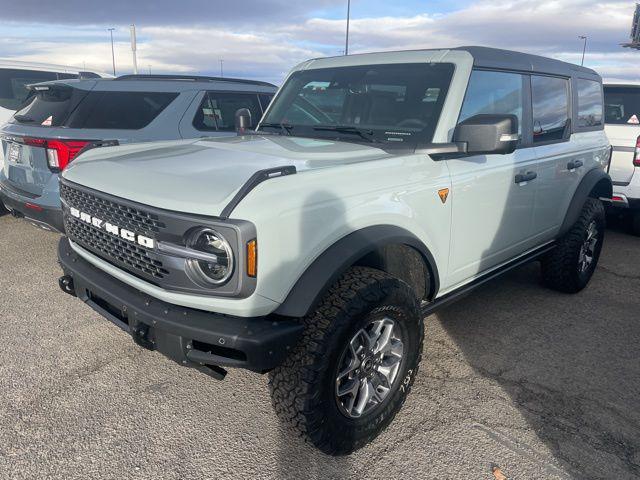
(124,216)
(133,257)
(110,247)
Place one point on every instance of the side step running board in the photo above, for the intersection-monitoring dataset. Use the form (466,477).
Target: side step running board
(432,307)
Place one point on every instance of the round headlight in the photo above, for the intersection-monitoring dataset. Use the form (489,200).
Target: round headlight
(220,268)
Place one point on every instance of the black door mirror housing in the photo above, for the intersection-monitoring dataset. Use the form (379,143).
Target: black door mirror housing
(243,120)
(486,134)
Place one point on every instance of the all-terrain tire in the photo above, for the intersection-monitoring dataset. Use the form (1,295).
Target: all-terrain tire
(561,268)
(303,389)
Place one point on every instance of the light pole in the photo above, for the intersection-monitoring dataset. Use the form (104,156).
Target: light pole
(346,43)
(113,55)
(584,47)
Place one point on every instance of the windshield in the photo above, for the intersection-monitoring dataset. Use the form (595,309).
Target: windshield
(622,105)
(395,104)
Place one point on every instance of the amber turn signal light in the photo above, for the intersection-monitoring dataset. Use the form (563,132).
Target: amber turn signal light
(252,258)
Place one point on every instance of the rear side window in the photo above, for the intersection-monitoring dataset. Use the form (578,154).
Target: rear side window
(589,103)
(622,105)
(119,110)
(13,85)
(494,93)
(50,107)
(217,112)
(550,97)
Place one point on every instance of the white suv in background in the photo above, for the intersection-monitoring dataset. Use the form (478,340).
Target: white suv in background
(14,78)
(622,125)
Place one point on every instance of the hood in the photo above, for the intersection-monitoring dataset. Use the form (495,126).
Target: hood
(202,176)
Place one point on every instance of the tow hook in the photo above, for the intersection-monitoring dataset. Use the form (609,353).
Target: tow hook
(66,285)
(140,334)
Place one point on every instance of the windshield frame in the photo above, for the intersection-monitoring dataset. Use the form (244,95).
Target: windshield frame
(385,136)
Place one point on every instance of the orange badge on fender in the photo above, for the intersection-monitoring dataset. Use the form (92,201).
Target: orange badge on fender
(443,193)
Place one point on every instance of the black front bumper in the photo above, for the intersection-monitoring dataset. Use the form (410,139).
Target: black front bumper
(44,217)
(193,338)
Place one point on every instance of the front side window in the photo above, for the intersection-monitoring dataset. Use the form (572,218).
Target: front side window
(13,85)
(589,103)
(395,104)
(217,112)
(550,97)
(494,93)
(622,105)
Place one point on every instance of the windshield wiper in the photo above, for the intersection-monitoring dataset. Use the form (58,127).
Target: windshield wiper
(284,127)
(365,134)
(24,119)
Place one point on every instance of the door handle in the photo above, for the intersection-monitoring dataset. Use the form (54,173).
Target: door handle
(572,165)
(526,177)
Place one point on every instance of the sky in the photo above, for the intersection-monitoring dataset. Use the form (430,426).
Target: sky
(263,39)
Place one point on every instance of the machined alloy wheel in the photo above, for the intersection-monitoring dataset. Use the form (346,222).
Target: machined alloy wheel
(369,367)
(569,267)
(588,248)
(355,363)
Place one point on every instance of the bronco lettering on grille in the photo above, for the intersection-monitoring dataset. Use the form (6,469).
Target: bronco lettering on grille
(113,229)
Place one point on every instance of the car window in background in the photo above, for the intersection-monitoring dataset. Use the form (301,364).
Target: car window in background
(13,85)
(589,103)
(550,97)
(217,112)
(50,107)
(119,110)
(265,100)
(622,105)
(494,93)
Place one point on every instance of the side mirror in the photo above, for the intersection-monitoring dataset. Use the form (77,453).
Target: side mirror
(243,120)
(488,134)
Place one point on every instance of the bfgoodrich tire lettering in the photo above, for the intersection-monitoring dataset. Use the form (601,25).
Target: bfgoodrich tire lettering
(303,389)
(565,268)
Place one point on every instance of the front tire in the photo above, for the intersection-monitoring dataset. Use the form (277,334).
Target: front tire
(570,266)
(354,366)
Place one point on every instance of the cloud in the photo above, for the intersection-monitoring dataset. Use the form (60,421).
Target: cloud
(156,12)
(257,43)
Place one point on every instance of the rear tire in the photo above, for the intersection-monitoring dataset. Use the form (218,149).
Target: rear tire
(570,266)
(332,390)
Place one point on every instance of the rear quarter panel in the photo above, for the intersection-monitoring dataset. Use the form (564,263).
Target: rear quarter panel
(623,139)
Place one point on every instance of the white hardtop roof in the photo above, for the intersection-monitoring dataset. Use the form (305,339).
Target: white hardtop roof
(45,67)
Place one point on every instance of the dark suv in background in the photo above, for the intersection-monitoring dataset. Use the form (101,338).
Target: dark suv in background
(61,119)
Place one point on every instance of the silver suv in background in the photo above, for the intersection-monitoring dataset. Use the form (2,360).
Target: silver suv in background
(63,118)
(622,124)
(16,75)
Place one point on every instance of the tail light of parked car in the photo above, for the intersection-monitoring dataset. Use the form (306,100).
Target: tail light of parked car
(61,152)
(636,156)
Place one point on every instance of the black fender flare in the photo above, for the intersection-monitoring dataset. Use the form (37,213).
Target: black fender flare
(335,260)
(596,180)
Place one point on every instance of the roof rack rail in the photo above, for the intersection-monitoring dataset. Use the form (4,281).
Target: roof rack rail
(194,78)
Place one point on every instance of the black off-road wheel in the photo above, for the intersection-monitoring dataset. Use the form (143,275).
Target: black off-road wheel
(570,266)
(354,366)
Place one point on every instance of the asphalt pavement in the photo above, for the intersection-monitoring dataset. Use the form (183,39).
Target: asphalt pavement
(545,385)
